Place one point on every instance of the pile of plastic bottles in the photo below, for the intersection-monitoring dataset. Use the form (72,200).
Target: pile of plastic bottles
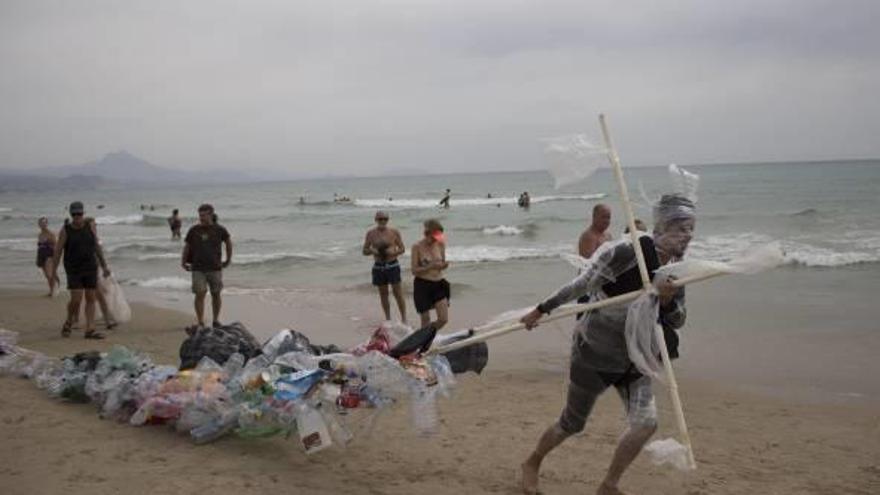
(286,389)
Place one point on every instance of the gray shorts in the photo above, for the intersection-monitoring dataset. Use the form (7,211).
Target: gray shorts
(587,385)
(201,281)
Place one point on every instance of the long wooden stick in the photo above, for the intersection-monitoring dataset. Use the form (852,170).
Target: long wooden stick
(487,332)
(658,330)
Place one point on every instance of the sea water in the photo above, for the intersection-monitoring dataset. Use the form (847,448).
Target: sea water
(291,238)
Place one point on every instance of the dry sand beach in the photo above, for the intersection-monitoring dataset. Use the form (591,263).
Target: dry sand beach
(745,443)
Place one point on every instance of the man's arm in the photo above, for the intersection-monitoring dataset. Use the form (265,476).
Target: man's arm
(673,312)
(587,244)
(605,267)
(99,251)
(368,244)
(398,241)
(228,243)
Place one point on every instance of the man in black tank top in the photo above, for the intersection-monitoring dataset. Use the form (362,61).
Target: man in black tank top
(78,243)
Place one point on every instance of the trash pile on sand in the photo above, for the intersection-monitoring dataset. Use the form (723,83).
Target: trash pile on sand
(229,384)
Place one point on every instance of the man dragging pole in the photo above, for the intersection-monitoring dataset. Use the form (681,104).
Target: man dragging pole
(599,356)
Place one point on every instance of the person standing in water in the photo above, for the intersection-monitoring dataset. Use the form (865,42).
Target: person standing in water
(385,244)
(78,244)
(202,257)
(430,288)
(175,224)
(445,201)
(46,253)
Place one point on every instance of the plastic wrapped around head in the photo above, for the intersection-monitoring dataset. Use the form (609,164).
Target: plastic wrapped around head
(674,221)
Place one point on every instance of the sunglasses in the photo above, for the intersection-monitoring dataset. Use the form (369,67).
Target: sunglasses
(382,219)
(76,214)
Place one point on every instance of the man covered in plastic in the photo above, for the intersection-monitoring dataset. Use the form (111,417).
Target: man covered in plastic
(599,356)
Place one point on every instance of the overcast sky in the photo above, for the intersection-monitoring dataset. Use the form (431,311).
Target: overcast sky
(357,86)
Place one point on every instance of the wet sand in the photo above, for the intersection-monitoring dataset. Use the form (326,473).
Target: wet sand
(745,442)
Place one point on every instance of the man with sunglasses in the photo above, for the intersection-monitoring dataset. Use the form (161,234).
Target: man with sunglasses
(202,256)
(385,244)
(78,243)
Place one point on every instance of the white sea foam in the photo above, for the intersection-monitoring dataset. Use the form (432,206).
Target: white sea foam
(172,283)
(455,201)
(259,258)
(486,253)
(123,220)
(4,209)
(797,252)
(19,244)
(502,230)
(159,256)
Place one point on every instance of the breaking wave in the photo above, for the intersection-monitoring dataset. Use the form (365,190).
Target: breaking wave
(502,230)
(487,253)
(797,252)
(172,283)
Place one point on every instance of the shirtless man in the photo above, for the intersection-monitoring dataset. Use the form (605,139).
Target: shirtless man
(597,233)
(385,244)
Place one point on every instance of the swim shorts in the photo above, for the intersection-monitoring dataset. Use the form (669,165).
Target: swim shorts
(426,293)
(201,281)
(82,280)
(386,273)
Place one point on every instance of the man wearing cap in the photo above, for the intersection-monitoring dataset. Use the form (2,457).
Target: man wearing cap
(599,355)
(385,244)
(202,256)
(78,241)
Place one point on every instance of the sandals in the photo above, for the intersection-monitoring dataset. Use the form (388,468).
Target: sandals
(94,335)
(65,329)
(110,325)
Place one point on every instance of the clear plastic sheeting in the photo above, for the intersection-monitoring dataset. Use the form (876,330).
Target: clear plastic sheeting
(641,340)
(755,260)
(572,158)
(116,302)
(684,183)
(669,452)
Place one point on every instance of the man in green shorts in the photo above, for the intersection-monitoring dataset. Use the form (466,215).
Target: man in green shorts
(202,256)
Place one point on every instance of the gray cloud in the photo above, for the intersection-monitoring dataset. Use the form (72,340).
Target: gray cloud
(363,87)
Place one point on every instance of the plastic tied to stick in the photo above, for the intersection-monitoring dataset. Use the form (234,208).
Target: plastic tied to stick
(572,158)
(669,452)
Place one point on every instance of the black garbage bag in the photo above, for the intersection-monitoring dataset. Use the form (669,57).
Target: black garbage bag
(217,343)
(420,340)
(471,358)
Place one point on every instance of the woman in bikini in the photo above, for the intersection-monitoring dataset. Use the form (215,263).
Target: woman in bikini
(45,252)
(430,289)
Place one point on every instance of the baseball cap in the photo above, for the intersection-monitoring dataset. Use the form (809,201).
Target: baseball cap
(76,207)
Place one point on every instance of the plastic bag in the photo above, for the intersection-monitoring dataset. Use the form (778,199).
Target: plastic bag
(572,158)
(669,451)
(116,302)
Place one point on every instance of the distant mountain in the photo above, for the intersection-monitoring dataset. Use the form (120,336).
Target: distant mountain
(123,168)
(20,182)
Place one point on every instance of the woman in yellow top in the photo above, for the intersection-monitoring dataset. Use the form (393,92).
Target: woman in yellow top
(430,289)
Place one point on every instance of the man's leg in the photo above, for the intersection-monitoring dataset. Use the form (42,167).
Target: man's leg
(425,318)
(552,437)
(641,415)
(578,405)
(76,297)
(401,303)
(383,299)
(216,303)
(90,310)
(199,304)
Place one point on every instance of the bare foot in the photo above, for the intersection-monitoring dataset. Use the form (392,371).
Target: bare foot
(606,489)
(529,478)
